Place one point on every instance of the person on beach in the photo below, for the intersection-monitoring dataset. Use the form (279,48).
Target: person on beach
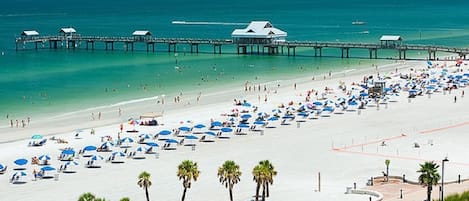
(99,115)
(11,123)
(120,112)
(455,98)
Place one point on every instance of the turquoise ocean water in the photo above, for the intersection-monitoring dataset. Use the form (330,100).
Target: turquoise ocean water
(55,81)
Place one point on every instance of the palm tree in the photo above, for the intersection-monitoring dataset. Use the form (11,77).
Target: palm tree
(259,177)
(187,171)
(229,175)
(270,173)
(144,182)
(387,162)
(87,197)
(429,176)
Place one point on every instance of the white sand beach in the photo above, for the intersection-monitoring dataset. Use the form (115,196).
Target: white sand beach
(344,148)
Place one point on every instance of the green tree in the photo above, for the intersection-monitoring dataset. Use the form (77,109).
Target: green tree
(429,176)
(387,162)
(87,197)
(258,177)
(229,174)
(125,199)
(187,171)
(144,182)
(270,172)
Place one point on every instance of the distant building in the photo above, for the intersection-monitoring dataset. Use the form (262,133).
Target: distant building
(29,34)
(67,32)
(390,41)
(141,35)
(258,32)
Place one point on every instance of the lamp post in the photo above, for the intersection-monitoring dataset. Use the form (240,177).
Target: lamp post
(443,177)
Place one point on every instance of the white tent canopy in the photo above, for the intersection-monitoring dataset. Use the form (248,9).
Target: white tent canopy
(67,30)
(390,38)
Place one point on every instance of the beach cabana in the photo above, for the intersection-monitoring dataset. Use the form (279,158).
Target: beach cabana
(389,41)
(258,32)
(141,35)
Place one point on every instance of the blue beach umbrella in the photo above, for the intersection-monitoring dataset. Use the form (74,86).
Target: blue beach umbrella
(152,144)
(37,137)
(243,126)
(288,117)
(328,109)
(1,166)
(118,153)
(165,132)
(107,144)
(352,103)
(277,111)
(21,161)
(89,148)
(272,119)
(47,168)
(259,122)
(68,152)
(262,114)
(317,103)
(69,163)
(184,128)
(44,157)
(303,114)
(226,129)
(246,116)
(96,157)
(140,149)
(216,123)
(199,126)
(172,141)
(363,94)
(210,133)
(246,104)
(145,136)
(20,173)
(191,137)
(127,139)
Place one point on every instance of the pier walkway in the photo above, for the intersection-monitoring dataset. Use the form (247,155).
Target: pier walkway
(288,47)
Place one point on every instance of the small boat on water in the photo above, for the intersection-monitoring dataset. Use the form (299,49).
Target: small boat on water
(356,22)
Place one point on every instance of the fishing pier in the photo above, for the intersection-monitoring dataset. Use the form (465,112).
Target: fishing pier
(257,38)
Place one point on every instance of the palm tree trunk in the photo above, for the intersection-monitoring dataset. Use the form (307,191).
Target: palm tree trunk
(257,191)
(184,194)
(263,192)
(231,194)
(146,193)
(429,192)
(387,172)
(267,189)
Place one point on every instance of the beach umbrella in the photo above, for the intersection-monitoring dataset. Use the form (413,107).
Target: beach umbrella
(243,126)
(107,144)
(191,137)
(352,103)
(317,103)
(184,128)
(140,149)
(96,157)
(145,136)
(210,133)
(288,117)
(70,163)
(127,139)
(90,148)
(171,141)
(68,152)
(1,166)
(47,168)
(303,114)
(277,110)
(37,137)
(430,87)
(152,144)
(199,126)
(328,109)
(226,129)
(262,114)
(216,123)
(44,157)
(165,132)
(259,122)
(246,104)
(21,161)
(118,153)
(272,119)
(246,116)
(363,94)
(19,173)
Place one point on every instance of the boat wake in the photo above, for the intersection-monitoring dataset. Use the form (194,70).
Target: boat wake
(206,23)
